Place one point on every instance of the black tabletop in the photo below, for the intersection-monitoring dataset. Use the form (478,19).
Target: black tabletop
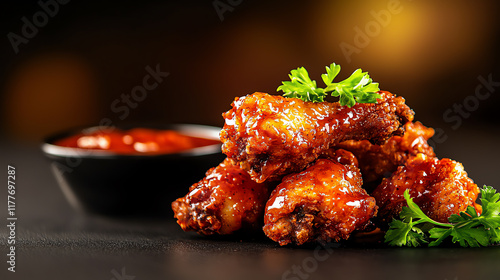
(53,241)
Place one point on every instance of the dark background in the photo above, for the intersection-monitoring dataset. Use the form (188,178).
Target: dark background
(90,53)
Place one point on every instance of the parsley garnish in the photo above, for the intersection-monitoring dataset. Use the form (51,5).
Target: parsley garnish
(468,228)
(359,87)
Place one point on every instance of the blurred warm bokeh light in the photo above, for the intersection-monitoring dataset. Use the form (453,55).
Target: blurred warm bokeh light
(431,52)
(49,93)
(423,41)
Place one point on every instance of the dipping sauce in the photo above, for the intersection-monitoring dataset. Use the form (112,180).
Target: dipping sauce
(135,141)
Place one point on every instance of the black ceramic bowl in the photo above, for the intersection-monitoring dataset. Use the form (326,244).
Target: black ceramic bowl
(107,183)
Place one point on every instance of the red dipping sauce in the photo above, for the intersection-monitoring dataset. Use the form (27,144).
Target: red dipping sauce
(135,141)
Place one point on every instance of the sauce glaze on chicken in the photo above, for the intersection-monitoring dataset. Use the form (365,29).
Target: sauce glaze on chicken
(307,154)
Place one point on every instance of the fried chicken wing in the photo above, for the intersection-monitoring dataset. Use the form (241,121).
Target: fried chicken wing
(271,136)
(439,187)
(324,202)
(377,161)
(223,202)
(341,156)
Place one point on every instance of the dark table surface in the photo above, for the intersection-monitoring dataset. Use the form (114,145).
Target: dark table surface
(56,242)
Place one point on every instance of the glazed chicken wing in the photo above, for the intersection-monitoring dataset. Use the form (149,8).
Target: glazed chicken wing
(324,202)
(223,202)
(377,161)
(439,187)
(271,136)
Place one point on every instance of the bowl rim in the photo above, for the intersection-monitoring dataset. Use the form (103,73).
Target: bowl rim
(194,130)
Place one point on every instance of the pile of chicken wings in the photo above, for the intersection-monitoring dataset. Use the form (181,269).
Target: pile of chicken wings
(317,172)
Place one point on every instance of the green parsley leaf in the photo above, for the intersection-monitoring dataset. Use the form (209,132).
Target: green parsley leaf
(358,88)
(331,73)
(416,237)
(490,202)
(398,234)
(405,234)
(467,228)
(439,234)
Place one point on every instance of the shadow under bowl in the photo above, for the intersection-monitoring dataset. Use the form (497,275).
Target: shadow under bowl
(111,184)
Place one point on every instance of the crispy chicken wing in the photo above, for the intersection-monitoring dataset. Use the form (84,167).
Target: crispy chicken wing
(324,202)
(439,187)
(377,161)
(341,156)
(222,202)
(271,136)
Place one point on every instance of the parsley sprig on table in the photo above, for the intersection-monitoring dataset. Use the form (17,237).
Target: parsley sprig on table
(359,87)
(468,229)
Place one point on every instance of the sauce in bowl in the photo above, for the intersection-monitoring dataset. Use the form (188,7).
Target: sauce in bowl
(135,141)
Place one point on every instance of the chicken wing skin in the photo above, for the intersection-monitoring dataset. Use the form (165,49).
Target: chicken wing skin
(439,187)
(271,136)
(377,161)
(341,156)
(324,202)
(223,202)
